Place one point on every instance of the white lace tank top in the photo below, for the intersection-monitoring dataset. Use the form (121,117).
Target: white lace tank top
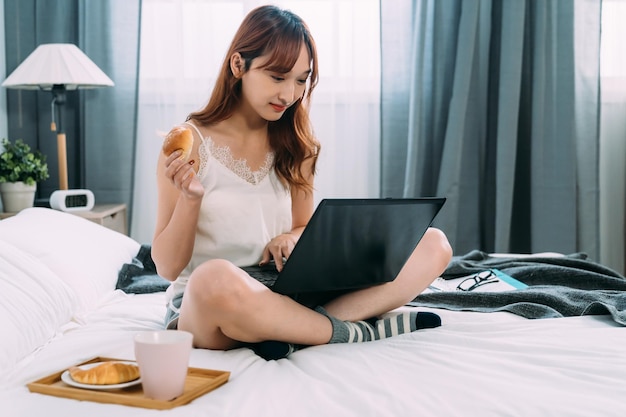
(241,211)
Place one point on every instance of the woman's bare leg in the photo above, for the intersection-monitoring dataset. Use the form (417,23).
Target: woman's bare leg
(223,306)
(429,259)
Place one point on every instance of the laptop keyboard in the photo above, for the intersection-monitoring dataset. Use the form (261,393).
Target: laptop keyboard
(266,275)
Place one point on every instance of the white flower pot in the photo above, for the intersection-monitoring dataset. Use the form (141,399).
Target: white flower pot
(17,196)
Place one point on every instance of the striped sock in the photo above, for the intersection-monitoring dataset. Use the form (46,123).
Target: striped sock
(364,331)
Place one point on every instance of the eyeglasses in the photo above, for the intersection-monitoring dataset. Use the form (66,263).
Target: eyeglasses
(477,280)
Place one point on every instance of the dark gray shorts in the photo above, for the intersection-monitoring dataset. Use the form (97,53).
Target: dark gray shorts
(173,312)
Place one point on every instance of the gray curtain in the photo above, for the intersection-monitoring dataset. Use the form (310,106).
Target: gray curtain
(494,104)
(100,124)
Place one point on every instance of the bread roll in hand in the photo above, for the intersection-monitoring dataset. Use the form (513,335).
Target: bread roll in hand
(107,373)
(180,137)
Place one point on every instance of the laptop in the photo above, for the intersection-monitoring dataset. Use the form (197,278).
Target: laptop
(350,244)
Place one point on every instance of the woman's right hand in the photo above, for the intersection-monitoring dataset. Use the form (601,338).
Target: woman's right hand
(183,176)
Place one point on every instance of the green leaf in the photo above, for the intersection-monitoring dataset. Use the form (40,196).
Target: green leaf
(19,163)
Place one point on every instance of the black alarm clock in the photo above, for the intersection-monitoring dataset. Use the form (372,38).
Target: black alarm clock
(72,200)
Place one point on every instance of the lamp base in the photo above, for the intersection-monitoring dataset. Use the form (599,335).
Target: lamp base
(62,156)
(42,202)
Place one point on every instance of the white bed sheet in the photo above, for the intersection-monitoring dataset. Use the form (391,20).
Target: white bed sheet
(476,364)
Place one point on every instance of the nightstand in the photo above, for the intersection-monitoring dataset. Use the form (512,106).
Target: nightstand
(111,216)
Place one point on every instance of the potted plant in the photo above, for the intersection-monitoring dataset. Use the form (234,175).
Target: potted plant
(20,170)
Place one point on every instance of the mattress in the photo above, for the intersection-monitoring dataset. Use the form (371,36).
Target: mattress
(474,364)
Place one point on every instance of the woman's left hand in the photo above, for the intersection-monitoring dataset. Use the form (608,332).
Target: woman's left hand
(278,248)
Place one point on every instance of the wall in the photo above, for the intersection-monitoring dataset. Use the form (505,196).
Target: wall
(3,75)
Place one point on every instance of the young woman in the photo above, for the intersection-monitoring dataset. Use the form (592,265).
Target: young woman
(245,196)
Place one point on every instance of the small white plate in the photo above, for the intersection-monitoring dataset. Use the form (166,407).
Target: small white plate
(66,377)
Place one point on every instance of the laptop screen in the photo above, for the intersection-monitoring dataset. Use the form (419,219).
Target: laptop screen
(355,243)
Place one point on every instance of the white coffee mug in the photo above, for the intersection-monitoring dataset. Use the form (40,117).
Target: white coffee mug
(163,359)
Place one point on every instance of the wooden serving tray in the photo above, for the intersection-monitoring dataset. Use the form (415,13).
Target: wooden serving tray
(199,382)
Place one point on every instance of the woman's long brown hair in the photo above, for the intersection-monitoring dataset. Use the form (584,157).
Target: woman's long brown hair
(280,34)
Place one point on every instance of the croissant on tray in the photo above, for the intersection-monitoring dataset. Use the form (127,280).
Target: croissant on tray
(106,373)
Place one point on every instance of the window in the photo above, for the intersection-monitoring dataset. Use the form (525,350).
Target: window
(613,134)
(183,43)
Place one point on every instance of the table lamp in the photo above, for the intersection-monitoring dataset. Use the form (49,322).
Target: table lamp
(58,67)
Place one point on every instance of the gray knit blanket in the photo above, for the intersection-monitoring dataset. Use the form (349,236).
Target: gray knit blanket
(564,286)
(140,275)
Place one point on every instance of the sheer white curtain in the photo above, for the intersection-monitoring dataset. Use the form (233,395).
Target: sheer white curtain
(613,135)
(183,43)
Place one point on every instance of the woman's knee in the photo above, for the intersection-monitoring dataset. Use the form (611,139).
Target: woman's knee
(216,283)
(436,244)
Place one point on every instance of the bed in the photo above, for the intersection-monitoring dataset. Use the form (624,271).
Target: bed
(61,305)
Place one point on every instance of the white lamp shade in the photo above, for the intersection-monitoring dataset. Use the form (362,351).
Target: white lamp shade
(57,64)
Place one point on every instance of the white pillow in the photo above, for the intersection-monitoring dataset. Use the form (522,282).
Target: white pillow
(86,255)
(34,304)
